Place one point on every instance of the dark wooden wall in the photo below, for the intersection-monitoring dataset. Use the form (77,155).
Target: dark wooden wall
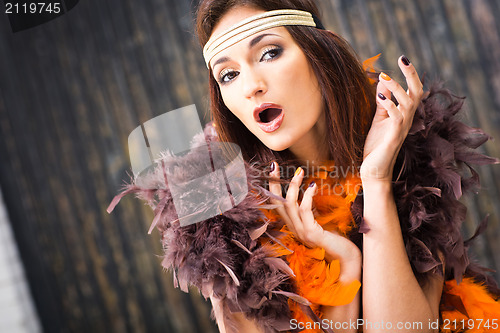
(72,90)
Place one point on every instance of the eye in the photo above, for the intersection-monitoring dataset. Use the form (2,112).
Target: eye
(271,53)
(227,75)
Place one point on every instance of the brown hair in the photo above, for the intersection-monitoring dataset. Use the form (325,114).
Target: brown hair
(347,93)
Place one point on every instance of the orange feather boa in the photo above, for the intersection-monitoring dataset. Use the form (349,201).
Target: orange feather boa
(317,280)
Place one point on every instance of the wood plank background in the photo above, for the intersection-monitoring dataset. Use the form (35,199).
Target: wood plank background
(72,90)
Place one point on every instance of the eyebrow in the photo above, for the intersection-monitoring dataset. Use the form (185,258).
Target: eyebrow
(252,43)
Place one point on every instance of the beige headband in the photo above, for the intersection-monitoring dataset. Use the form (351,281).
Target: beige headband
(254,24)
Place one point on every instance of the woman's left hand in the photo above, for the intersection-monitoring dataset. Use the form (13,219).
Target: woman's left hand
(391,123)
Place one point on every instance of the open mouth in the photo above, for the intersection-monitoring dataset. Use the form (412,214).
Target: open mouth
(268,115)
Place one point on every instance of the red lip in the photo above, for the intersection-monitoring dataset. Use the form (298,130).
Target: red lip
(273,125)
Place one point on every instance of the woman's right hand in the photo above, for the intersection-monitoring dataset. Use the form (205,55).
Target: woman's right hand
(299,219)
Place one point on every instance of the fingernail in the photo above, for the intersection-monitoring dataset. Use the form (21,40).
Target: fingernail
(299,169)
(385,76)
(312,184)
(405,60)
(273,166)
(381,96)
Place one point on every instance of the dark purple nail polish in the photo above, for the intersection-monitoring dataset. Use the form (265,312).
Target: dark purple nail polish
(405,60)
(312,184)
(272,166)
(381,96)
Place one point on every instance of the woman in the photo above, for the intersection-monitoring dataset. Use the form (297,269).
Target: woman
(272,68)
(287,92)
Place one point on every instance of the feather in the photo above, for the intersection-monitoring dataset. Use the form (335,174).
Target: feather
(239,306)
(466,301)
(183,285)
(278,242)
(314,317)
(218,310)
(176,282)
(369,64)
(476,158)
(434,190)
(207,288)
(282,325)
(254,234)
(231,273)
(293,296)
(422,258)
(158,211)
(480,229)
(437,156)
(279,264)
(453,303)
(118,197)
(241,246)
(363,227)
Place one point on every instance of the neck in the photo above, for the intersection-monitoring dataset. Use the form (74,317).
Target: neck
(313,147)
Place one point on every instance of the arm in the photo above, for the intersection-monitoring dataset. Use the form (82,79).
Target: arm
(350,263)
(391,293)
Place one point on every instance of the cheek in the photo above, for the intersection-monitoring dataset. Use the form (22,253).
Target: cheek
(306,81)
(230,100)
(287,71)
(297,75)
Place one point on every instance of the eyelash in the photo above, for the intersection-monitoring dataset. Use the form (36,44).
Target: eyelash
(225,72)
(275,49)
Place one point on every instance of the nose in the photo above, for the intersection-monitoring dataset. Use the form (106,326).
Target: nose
(253,83)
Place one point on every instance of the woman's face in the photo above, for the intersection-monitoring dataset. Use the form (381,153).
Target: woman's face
(267,82)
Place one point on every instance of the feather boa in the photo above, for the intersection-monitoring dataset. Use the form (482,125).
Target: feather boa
(468,307)
(246,260)
(225,257)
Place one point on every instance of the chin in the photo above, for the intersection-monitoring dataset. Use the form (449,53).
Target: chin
(277,146)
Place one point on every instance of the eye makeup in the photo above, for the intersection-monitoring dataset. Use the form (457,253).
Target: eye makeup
(269,53)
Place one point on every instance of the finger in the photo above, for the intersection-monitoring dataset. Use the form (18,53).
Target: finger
(392,110)
(274,186)
(292,194)
(381,111)
(382,89)
(312,232)
(415,86)
(305,208)
(396,89)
